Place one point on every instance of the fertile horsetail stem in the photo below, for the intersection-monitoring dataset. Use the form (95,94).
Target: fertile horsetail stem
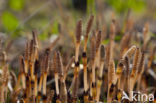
(55,68)
(45,70)
(111,80)
(84,57)
(78,38)
(140,69)
(22,72)
(99,82)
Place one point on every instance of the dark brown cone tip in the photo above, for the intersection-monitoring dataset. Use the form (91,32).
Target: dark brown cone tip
(98,40)
(21,61)
(102,52)
(89,25)
(78,31)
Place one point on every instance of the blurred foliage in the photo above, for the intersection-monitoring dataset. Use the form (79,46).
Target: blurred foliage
(55,27)
(43,36)
(39,17)
(106,41)
(9,21)
(8,98)
(118,37)
(91,7)
(121,6)
(16,5)
(153,35)
(79,101)
(17,33)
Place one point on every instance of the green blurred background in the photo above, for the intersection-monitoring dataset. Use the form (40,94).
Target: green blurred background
(17,17)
